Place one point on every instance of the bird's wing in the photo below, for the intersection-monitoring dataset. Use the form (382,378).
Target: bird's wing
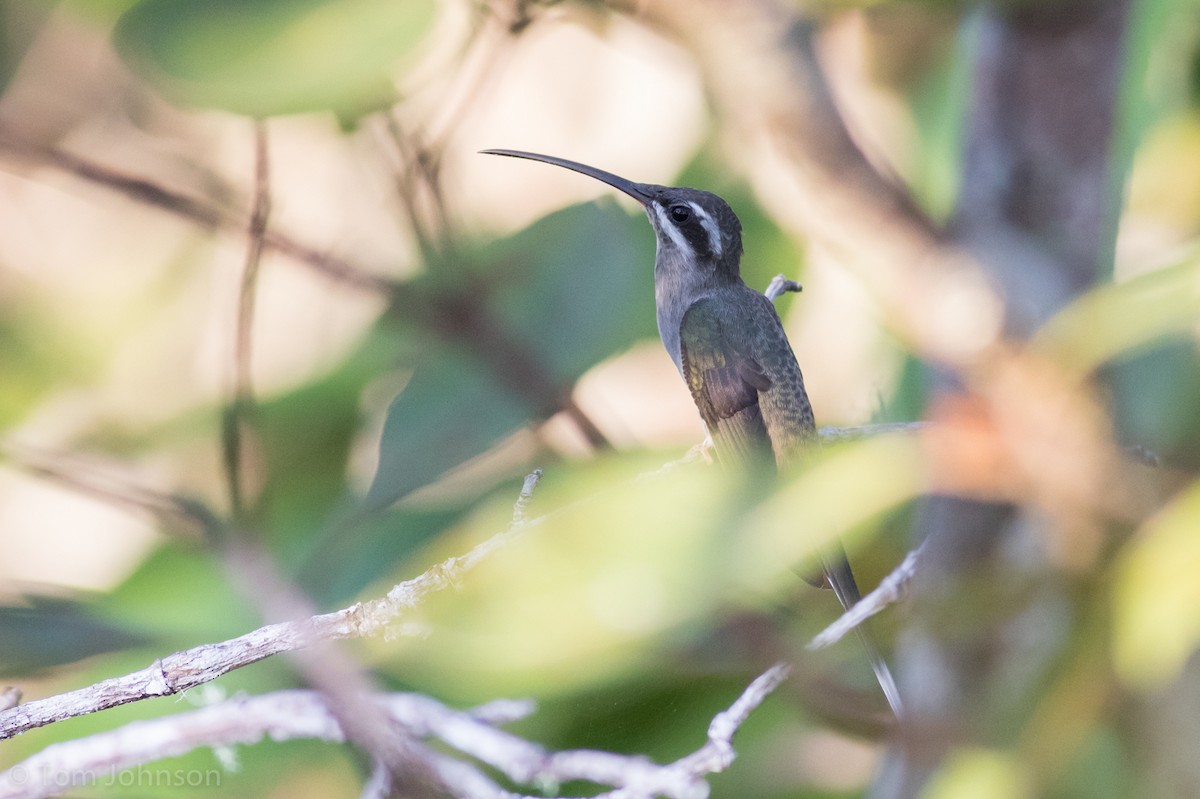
(725,383)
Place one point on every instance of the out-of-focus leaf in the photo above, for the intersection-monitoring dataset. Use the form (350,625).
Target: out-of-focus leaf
(181,598)
(939,110)
(1154,400)
(19,27)
(626,564)
(265,57)
(306,436)
(1156,614)
(49,631)
(907,401)
(349,559)
(980,774)
(569,291)
(36,360)
(104,12)
(842,489)
(451,410)
(619,562)
(1102,770)
(1118,319)
(578,286)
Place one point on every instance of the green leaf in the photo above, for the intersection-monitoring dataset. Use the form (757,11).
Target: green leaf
(619,563)
(983,773)
(267,57)
(1156,620)
(1153,397)
(20,24)
(841,490)
(625,563)
(49,631)
(349,558)
(450,411)
(569,291)
(181,597)
(1119,319)
(578,287)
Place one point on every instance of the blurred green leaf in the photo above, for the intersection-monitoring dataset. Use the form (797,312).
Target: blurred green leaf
(578,286)
(618,563)
(939,105)
(627,564)
(307,434)
(569,291)
(46,631)
(38,358)
(1154,400)
(1156,598)
(451,410)
(180,598)
(980,774)
(266,57)
(20,24)
(840,491)
(1118,319)
(370,547)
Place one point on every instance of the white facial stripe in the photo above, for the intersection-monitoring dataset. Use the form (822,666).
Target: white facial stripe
(710,227)
(667,225)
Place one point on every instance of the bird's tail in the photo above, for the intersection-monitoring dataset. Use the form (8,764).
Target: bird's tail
(840,578)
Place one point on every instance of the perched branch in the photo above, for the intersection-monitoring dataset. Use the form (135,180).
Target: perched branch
(834,435)
(183,670)
(288,715)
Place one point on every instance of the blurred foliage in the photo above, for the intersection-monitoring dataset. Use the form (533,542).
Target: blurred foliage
(579,270)
(48,631)
(1157,601)
(266,57)
(641,602)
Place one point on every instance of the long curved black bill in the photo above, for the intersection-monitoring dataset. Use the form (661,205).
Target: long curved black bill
(635,190)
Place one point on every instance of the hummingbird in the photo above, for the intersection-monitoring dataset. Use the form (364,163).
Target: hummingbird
(729,345)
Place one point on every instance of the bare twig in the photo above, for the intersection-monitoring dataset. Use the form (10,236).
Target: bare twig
(780,285)
(197,211)
(459,318)
(237,419)
(10,697)
(891,589)
(180,671)
(75,474)
(521,506)
(286,715)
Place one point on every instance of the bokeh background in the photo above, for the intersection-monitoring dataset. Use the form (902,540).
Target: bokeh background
(994,242)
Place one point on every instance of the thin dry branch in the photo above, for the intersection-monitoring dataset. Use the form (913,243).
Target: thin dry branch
(239,412)
(891,589)
(288,715)
(189,668)
(198,211)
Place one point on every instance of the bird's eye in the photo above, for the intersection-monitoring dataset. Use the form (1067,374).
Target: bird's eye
(680,213)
